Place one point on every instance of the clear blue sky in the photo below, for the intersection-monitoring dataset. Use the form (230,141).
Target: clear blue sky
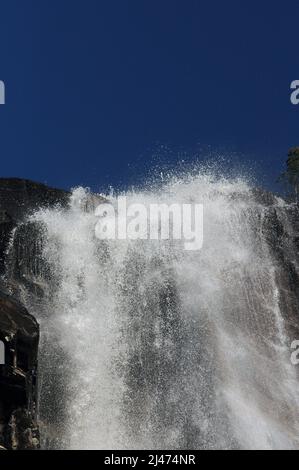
(96,87)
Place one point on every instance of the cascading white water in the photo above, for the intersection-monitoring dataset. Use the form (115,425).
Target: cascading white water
(153,346)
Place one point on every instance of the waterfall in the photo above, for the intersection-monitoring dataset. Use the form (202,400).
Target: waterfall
(147,345)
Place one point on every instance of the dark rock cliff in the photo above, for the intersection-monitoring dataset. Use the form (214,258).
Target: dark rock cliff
(18,198)
(19,331)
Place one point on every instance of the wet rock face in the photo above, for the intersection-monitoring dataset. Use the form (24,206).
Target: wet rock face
(279,228)
(19,333)
(18,198)
(6,227)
